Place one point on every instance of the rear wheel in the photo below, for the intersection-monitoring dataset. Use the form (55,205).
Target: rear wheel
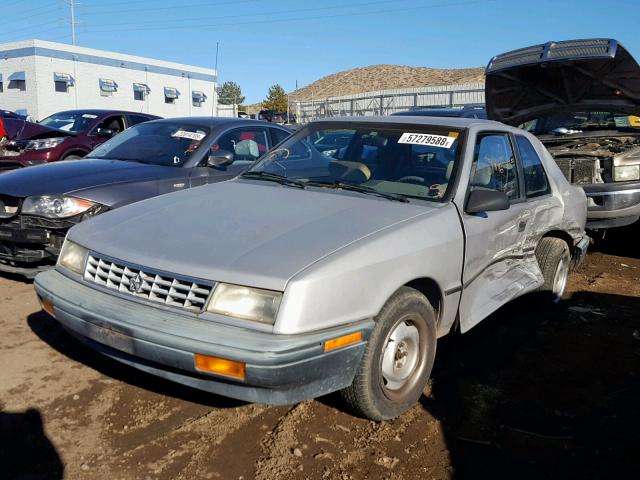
(398,359)
(554,259)
(72,157)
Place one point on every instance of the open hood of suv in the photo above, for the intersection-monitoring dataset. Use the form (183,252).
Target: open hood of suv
(555,77)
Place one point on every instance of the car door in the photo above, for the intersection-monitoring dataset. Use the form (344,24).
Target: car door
(114,123)
(246,143)
(495,263)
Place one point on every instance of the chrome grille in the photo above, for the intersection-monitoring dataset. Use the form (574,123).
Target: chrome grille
(191,294)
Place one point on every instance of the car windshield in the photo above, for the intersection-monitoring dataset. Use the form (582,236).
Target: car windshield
(157,143)
(410,162)
(582,122)
(73,122)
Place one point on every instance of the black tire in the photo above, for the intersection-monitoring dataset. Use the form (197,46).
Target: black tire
(554,260)
(72,157)
(370,394)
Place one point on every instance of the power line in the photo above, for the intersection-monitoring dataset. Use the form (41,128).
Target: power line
(155,9)
(208,26)
(300,10)
(16,32)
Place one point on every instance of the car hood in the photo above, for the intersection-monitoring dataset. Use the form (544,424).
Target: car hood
(243,232)
(555,77)
(75,175)
(19,129)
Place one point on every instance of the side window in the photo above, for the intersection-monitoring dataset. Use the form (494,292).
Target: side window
(247,144)
(278,135)
(494,166)
(115,124)
(535,178)
(136,119)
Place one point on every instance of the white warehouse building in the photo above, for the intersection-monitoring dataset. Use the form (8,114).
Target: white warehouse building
(40,78)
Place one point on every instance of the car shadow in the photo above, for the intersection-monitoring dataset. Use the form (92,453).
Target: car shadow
(14,277)
(622,242)
(50,331)
(25,450)
(536,392)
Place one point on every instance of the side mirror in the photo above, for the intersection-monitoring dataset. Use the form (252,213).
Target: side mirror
(486,201)
(105,132)
(221,158)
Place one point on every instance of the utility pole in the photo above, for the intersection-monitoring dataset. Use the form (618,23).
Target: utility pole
(214,104)
(73,21)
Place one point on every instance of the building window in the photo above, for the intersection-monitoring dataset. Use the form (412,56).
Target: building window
(107,87)
(1,84)
(62,82)
(171,94)
(18,81)
(198,98)
(140,91)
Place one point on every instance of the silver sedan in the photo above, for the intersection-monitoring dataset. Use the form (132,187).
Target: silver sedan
(334,263)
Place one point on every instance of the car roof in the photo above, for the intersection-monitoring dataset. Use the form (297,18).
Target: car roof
(446,112)
(215,122)
(458,122)
(102,111)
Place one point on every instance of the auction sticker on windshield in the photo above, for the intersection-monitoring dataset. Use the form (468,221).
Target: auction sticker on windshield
(441,141)
(190,135)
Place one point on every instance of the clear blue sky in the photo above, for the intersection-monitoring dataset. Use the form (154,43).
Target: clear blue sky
(263,42)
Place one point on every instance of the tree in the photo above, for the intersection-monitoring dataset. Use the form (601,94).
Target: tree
(230,93)
(276,99)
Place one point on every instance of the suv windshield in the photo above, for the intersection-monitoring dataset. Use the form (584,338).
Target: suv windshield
(582,122)
(412,162)
(70,121)
(157,143)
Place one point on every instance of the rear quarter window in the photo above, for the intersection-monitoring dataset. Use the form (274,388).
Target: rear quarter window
(535,178)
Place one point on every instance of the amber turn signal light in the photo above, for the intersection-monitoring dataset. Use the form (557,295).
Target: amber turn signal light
(47,306)
(342,341)
(220,366)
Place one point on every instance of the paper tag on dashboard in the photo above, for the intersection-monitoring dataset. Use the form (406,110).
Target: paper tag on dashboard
(440,141)
(191,135)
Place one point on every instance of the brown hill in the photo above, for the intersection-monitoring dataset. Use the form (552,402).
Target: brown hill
(381,77)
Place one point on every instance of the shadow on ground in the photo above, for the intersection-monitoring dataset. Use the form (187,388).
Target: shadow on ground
(534,393)
(622,242)
(50,331)
(25,451)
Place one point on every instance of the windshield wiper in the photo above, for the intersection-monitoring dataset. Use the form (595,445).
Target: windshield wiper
(273,177)
(397,197)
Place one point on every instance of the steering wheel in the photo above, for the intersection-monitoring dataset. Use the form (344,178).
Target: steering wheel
(412,179)
(281,153)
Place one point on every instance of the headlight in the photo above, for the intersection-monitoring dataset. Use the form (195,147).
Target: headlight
(72,257)
(626,172)
(55,206)
(245,302)
(44,143)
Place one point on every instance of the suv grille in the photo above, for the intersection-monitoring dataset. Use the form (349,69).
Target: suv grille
(188,293)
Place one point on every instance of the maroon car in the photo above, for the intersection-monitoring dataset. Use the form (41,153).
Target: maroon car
(63,136)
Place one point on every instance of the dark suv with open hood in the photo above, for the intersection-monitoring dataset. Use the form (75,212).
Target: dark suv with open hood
(581,98)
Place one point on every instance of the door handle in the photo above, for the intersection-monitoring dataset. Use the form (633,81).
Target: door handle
(522,225)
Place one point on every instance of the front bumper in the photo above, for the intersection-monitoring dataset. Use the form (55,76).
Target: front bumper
(612,204)
(580,252)
(280,369)
(30,245)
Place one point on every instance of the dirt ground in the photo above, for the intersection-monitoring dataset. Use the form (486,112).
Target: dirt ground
(530,393)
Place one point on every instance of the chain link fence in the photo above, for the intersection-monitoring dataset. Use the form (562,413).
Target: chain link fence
(386,102)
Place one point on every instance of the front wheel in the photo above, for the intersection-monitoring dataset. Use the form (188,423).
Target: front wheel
(398,358)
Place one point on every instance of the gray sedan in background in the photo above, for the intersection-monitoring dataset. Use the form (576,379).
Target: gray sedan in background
(334,263)
(39,204)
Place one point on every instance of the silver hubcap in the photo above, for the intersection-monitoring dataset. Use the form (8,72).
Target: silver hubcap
(560,278)
(400,356)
